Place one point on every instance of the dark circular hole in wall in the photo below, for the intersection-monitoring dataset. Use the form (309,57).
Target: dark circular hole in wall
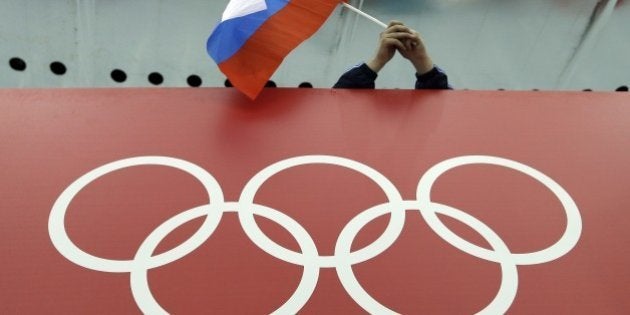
(118,75)
(194,81)
(306,85)
(156,78)
(58,68)
(17,64)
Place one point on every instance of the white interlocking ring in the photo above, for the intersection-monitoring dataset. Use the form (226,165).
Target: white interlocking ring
(343,259)
(66,247)
(252,230)
(560,248)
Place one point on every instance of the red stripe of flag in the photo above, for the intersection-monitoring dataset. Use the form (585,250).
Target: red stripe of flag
(252,66)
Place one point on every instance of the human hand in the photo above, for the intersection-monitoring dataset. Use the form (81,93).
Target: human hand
(416,52)
(392,39)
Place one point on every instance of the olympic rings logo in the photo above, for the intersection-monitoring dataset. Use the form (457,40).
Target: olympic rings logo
(343,258)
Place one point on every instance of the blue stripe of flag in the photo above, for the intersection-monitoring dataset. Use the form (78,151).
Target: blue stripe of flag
(229,36)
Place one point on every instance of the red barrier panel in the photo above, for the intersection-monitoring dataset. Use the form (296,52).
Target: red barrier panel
(319,201)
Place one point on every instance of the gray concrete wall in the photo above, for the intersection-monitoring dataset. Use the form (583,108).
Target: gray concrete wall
(483,44)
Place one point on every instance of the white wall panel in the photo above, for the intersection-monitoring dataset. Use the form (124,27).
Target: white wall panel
(483,44)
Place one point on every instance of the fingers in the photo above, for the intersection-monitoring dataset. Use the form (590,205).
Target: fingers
(414,40)
(393,42)
(394,22)
(398,28)
(400,36)
(407,37)
(398,39)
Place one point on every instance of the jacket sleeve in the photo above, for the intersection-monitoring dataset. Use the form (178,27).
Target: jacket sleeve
(359,77)
(362,77)
(435,79)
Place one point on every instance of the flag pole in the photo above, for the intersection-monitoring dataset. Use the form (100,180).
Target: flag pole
(365,15)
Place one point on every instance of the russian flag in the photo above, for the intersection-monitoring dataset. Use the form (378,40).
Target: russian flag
(254,36)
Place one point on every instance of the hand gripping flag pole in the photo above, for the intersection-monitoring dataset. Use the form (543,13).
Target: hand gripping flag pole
(254,37)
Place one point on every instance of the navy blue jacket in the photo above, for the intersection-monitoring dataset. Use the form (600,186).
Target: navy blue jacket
(362,77)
